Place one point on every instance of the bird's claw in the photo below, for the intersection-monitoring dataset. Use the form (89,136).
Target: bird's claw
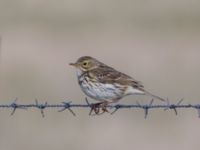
(98,108)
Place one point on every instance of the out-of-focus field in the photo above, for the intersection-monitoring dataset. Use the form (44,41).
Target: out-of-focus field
(156,42)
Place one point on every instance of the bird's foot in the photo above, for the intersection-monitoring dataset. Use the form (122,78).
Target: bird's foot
(99,108)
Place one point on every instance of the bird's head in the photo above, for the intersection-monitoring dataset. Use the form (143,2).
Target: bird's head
(86,63)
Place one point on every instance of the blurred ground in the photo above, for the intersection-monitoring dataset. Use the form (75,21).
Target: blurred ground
(156,42)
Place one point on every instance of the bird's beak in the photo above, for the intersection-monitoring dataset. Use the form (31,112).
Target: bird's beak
(73,64)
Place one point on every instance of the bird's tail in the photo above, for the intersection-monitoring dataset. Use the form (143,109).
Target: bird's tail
(154,96)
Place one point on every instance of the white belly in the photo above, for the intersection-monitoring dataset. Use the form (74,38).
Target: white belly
(100,91)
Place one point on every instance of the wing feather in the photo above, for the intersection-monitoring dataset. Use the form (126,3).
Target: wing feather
(105,74)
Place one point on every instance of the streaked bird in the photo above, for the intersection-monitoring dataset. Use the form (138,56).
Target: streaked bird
(105,84)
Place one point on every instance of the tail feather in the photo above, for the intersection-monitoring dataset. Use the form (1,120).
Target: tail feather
(154,96)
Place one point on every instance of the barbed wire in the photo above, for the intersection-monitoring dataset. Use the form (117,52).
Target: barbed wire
(69,105)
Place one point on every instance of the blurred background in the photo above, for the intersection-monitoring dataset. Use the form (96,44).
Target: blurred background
(156,42)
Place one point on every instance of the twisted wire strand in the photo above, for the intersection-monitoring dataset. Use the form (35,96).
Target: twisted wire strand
(69,106)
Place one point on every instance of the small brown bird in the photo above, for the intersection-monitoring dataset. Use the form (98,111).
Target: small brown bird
(105,84)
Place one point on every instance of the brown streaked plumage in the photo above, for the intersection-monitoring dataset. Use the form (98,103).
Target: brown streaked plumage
(104,83)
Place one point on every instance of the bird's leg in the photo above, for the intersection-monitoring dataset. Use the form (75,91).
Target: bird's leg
(97,106)
(104,107)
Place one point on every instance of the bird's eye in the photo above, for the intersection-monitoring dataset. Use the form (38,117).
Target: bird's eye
(85,64)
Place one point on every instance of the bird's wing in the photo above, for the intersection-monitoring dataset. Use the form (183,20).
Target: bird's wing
(109,75)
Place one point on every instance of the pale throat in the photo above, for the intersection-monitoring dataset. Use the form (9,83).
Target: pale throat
(79,72)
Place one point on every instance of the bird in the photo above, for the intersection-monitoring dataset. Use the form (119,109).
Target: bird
(106,84)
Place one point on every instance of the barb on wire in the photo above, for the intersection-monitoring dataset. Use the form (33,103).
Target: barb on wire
(41,107)
(145,107)
(198,109)
(69,106)
(117,107)
(15,106)
(173,106)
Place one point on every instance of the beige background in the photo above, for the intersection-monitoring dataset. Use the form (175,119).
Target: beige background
(156,42)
